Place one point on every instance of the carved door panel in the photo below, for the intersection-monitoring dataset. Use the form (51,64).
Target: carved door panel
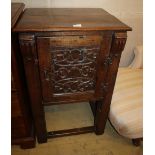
(68,67)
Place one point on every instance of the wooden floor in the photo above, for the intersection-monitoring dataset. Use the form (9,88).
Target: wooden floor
(79,115)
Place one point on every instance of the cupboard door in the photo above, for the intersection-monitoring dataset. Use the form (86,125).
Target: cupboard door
(68,66)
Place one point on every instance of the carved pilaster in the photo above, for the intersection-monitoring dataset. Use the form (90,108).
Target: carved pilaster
(26,38)
(119,40)
(27,42)
(29,54)
(118,44)
(112,63)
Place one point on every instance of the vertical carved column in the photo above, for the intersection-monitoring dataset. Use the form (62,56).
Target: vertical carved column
(112,61)
(29,54)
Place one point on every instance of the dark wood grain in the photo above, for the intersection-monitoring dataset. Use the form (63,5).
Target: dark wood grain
(67,64)
(70,65)
(26,142)
(70,132)
(22,132)
(118,44)
(29,53)
(63,19)
(15,104)
(16,12)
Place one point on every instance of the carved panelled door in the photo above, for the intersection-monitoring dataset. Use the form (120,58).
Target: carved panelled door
(70,66)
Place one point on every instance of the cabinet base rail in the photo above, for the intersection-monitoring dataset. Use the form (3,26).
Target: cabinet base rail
(69,132)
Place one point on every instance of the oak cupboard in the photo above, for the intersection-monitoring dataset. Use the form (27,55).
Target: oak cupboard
(70,55)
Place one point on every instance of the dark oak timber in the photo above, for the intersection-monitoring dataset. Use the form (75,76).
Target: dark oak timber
(70,55)
(22,130)
(70,132)
(28,48)
(112,62)
(16,11)
(63,19)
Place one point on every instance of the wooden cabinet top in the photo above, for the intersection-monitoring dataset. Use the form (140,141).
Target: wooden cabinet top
(64,19)
(16,10)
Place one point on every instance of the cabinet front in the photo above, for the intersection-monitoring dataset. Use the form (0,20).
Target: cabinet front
(68,66)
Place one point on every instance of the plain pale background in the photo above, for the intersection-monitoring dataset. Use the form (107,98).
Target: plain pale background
(128,11)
